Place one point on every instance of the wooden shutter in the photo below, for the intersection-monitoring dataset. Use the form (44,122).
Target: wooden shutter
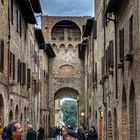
(13,66)
(11,9)
(131,33)
(24,74)
(121,38)
(95,30)
(102,68)
(111,53)
(1,55)
(96,72)
(18,71)
(28,78)
(11,62)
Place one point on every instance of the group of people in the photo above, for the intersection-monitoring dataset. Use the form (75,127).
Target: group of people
(67,133)
(13,131)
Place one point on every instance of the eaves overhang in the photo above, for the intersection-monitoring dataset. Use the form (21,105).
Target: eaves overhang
(81,49)
(36,6)
(27,11)
(113,6)
(88,27)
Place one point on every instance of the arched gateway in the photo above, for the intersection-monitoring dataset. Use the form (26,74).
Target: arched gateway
(66,70)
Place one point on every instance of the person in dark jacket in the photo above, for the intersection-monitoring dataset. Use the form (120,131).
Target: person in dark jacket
(80,134)
(92,134)
(4,134)
(31,133)
(41,132)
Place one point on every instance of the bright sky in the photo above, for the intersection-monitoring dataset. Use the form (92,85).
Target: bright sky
(68,7)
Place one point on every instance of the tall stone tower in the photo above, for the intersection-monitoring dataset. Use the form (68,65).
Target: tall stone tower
(66,71)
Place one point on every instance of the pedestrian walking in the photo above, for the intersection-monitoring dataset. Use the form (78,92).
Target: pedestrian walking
(14,130)
(31,133)
(92,134)
(41,132)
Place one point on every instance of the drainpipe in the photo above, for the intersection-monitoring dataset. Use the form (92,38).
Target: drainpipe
(8,45)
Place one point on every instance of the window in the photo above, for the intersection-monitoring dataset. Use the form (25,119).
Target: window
(131,33)
(28,78)
(11,10)
(111,53)
(1,55)
(18,20)
(121,44)
(19,71)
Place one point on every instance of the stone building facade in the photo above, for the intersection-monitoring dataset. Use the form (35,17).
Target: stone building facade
(66,69)
(116,55)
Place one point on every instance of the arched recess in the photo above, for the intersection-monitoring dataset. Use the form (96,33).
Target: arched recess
(10,116)
(70,46)
(124,130)
(132,113)
(25,115)
(115,125)
(110,135)
(1,106)
(54,46)
(62,46)
(66,71)
(72,29)
(16,113)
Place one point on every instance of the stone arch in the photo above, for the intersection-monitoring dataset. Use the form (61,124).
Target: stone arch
(54,46)
(17,113)
(124,116)
(70,46)
(110,135)
(66,92)
(66,71)
(58,30)
(132,112)
(62,46)
(10,115)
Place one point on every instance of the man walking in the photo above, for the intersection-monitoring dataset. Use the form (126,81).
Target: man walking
(31,133)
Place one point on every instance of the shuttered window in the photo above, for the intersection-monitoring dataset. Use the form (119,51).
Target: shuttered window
(131,33)
(1,55)
(24,74)
(13,66)
(28,78)
(121,44)
(111,51)
(95,30)
(11,10)
(95,72)
(19,71)
(102,68)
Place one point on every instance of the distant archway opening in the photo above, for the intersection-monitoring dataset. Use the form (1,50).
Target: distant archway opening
(66,107)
